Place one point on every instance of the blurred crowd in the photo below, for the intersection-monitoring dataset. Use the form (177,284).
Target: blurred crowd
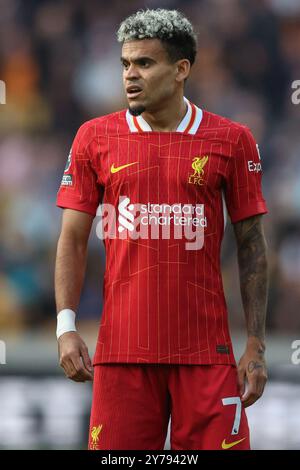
(60,62)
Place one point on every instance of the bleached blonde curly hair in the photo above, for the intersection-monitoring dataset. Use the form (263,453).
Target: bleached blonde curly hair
(170,26)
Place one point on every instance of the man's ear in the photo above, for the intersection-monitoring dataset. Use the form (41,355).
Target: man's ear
(183,67)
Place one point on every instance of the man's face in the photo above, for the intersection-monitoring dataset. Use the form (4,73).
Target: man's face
(148,75)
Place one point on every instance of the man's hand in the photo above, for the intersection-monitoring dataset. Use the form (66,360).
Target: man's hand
(252,369)
(74,357)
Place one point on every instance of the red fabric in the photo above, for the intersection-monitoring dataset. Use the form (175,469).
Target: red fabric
(132,404)
(164,303)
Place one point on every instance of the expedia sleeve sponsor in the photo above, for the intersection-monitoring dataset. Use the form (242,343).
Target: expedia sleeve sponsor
(243,192)
(255,165)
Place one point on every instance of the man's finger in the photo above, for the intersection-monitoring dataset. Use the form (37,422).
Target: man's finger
(82,372)
(67,365)
(86,359)
(241,380)
(250,399)
(73,367)
(254,390)
(261,384)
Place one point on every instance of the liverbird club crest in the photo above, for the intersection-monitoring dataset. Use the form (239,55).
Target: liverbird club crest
(198,167)
(95,437)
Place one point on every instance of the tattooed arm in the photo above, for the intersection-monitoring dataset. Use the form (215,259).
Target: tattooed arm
(252,262)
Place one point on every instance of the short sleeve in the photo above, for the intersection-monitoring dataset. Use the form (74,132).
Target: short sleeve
(79,189)
(243,191)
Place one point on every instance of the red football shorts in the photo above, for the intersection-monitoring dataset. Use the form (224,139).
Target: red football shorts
(132,404)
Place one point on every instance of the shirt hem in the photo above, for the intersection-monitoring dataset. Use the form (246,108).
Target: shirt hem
(256,208)
(76,206)
(183,359)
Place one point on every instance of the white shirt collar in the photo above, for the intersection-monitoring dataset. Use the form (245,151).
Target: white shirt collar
(190,123)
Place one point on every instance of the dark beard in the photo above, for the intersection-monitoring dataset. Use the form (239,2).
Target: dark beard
(137,111)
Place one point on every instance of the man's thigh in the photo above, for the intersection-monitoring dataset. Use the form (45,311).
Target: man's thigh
(206,410)
(130,407)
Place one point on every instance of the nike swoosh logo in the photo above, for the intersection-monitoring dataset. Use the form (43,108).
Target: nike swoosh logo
(115,169)
(231,444)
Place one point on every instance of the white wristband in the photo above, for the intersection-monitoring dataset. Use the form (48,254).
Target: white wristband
(65,322)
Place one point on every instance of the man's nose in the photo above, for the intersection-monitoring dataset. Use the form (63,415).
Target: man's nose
(132,72)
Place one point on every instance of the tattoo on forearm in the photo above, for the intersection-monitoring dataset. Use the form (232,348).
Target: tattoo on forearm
(253,273)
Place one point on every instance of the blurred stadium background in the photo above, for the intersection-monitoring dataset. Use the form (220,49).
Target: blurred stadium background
(60,63)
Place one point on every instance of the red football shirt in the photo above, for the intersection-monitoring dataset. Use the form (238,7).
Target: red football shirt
(163,197)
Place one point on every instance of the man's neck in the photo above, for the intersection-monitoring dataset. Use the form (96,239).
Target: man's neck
(168,118)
